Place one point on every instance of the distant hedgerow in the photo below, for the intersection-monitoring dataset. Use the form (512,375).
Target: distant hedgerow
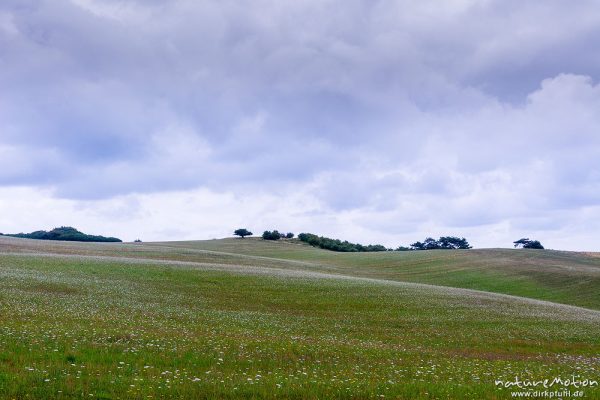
(64,233)
(338,245)
(443,243)
(275,235)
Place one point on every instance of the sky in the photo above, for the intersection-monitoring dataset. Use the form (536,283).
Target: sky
(372,121)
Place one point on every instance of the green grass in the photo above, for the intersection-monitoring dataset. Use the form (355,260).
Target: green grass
(248,319)
(558,276)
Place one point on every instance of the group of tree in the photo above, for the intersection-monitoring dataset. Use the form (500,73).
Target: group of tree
(267,235)
(443,243)
(64,233)
(528,244)
(276,235)
(338,245)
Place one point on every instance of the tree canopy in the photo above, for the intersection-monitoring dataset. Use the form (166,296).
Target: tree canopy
(526,243)
(64,233)
(242,232)
(274,235)
(338,245)
(443,243)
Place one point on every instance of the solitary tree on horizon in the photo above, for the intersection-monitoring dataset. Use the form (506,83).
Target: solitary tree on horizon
(528,244)
(242,232)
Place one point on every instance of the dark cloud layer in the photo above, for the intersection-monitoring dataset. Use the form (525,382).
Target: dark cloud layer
(489,107)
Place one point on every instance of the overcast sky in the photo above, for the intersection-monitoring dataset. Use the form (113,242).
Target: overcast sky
(372,121)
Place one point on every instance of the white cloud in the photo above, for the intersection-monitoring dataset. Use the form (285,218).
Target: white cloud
(203,214)
(391,117)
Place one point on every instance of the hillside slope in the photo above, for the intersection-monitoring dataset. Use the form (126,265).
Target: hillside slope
(557,276)
(175,321)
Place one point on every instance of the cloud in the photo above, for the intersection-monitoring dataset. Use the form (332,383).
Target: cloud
(394,115)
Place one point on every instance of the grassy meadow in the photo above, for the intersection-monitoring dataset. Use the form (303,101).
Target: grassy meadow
(244,318)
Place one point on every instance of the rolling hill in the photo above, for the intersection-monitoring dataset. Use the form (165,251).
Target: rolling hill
(558,276)
(245,318)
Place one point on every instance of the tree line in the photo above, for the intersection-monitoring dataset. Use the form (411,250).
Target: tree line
(267,235)
(64,233)
(443,243)
(338,245)
(275,235)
